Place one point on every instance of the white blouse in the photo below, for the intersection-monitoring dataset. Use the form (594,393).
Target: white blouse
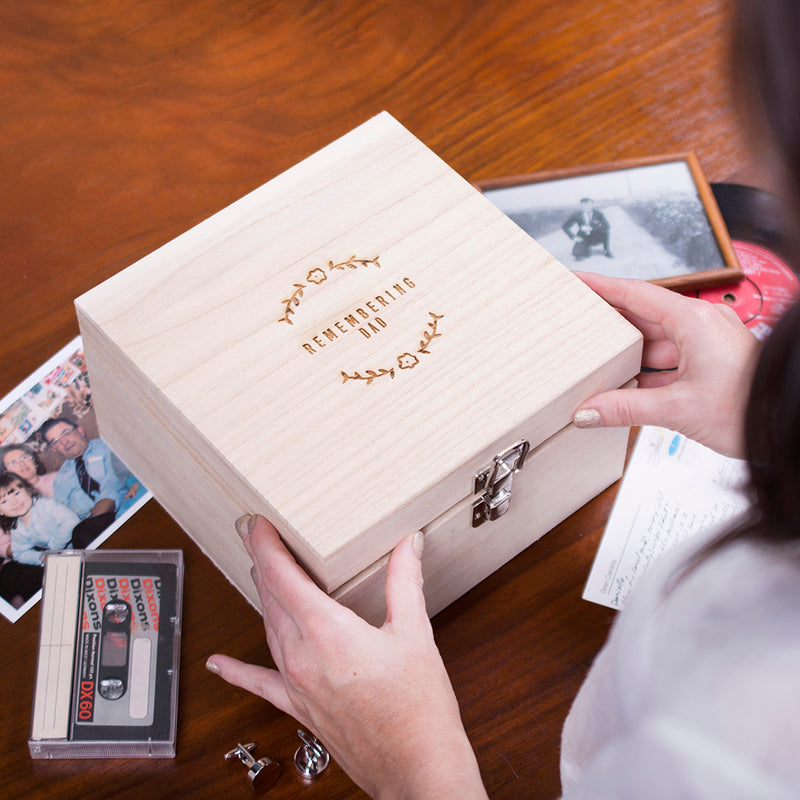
(696,693)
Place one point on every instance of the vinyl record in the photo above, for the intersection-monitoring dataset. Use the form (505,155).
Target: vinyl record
(753,215)
(769,286)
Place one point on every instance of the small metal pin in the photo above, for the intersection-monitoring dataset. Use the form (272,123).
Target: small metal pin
(311,758)
(262,773)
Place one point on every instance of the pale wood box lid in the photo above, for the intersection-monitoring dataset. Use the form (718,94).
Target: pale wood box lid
(359,336)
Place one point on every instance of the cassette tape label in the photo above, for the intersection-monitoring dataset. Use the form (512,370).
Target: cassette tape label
(118,612)
(142,594)
(126,646)
(87,677)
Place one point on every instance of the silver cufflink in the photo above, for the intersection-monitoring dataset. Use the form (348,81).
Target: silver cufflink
(311,758)
(262,773)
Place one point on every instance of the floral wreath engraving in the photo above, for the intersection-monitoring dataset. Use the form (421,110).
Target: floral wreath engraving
(405,360)
(318,276)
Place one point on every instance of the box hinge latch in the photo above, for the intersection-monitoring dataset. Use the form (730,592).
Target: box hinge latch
(494,483)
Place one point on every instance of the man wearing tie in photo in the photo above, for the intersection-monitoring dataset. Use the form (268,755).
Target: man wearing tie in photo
(586,227)
(92,481)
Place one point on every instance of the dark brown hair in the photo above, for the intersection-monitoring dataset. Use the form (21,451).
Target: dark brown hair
(767,69)
(766,78)
(772,443)
(767,75)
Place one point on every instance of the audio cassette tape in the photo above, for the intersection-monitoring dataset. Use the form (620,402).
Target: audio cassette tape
(109,647)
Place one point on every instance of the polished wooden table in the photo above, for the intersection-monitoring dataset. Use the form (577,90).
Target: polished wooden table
(124,123)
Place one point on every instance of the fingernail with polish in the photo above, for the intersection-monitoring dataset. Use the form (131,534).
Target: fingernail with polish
(587,418)
(244,525)
(212,667)
(418,544)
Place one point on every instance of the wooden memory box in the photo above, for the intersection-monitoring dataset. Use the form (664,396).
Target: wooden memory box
(362,347)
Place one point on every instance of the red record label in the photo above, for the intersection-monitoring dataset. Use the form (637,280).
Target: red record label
(763,295)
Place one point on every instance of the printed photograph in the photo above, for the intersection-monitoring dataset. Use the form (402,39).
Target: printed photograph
(61,486)
(649,222)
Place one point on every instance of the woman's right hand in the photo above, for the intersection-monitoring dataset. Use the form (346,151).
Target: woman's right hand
(706,357)
(378,698)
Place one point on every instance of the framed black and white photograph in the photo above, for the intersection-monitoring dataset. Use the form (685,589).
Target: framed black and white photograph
(654,219)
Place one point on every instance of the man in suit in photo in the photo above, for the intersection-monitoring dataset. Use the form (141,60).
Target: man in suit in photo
(586,227)
(92,481)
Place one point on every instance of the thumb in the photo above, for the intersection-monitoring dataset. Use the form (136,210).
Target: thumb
(405,602)
(627,407)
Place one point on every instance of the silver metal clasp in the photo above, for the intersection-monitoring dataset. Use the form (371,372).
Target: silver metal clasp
(494,483)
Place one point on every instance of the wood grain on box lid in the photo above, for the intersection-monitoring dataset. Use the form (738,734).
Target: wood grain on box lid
(359,335)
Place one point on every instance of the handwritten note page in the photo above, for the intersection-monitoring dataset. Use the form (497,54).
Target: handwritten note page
(673,487)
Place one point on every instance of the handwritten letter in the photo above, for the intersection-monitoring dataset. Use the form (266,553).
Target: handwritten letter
(673,487)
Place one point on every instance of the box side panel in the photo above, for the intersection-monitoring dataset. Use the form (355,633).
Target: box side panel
(201,492)
(558,478)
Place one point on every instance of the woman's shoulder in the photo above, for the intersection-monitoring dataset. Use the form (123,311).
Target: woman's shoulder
(709,648)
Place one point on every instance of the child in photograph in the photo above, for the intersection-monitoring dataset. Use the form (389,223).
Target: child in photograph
(36,522)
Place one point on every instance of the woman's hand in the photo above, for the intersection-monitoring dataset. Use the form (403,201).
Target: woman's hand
(379,699)
(708,357)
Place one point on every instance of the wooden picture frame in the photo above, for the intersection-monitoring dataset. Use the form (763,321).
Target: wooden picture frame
(658,220)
